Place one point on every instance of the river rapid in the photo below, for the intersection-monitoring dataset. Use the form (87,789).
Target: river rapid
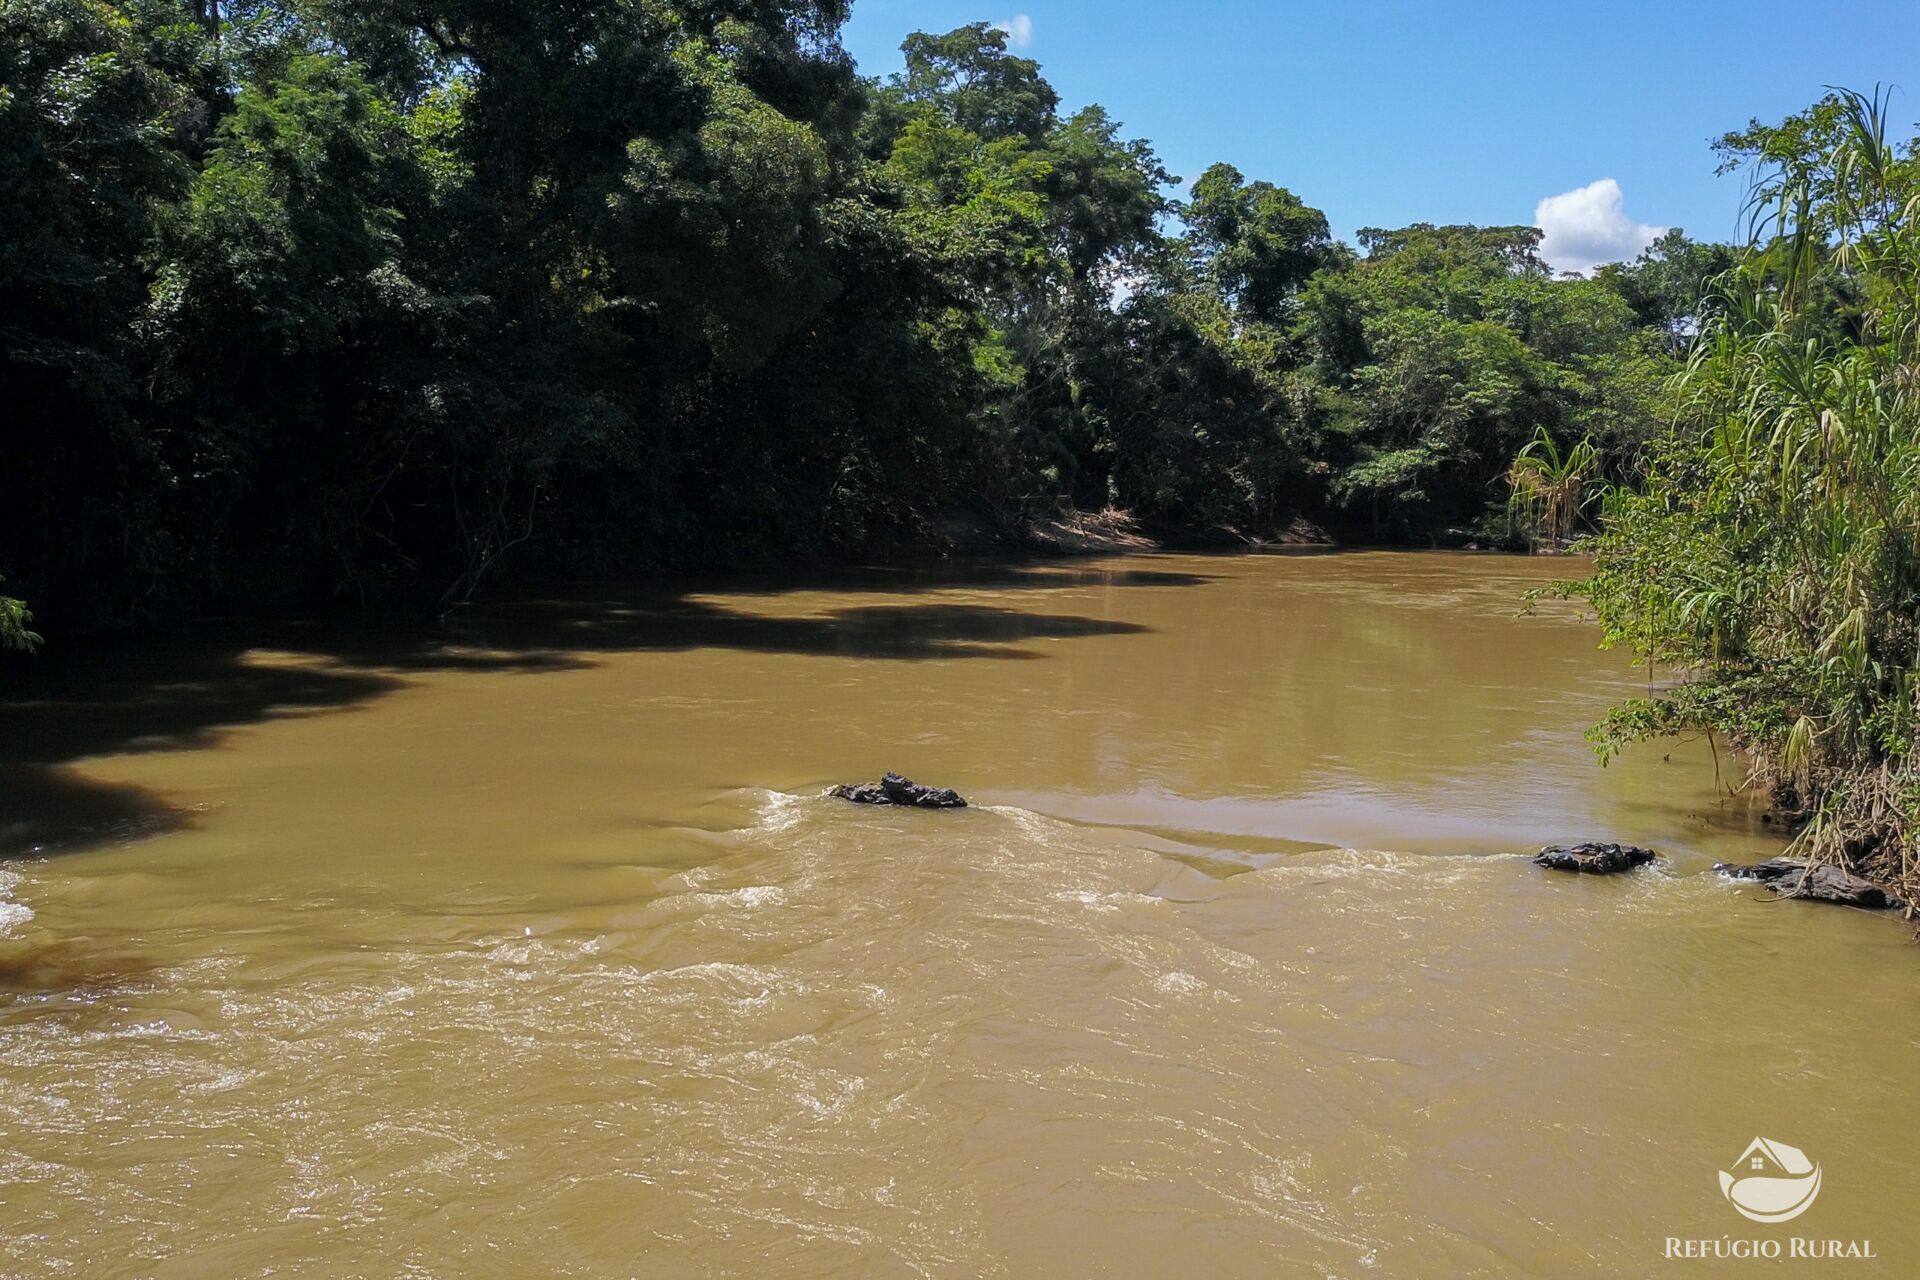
(526,944)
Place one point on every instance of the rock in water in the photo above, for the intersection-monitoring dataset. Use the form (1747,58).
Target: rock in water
(904,791)
(1771,869)
(1594,859)
(894,789)
(1817,882)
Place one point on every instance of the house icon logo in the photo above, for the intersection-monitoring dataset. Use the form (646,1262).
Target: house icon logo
(1771,1181)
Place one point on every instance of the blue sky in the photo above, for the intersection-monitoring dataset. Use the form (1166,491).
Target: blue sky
(1384,114)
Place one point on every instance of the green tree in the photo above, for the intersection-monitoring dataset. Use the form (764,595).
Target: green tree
(1257,244)
(1771,554)
(1671,285)
(970,79)
(93,116)
(381,301)
(1445,350)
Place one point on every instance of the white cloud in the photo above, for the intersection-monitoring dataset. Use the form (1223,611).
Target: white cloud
(1019,29)
(1588,226)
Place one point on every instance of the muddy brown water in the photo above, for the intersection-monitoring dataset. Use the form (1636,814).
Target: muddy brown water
(526,945)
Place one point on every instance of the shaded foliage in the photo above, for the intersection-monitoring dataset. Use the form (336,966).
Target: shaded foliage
(360,299)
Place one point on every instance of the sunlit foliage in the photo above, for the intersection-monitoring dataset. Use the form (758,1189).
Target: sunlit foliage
(1773,552)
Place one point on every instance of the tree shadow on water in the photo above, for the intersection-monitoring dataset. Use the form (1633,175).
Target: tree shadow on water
(183,693)
(559,631)
(99,699)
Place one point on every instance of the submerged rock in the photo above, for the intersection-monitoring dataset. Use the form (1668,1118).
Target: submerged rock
(1818,882)
(1594,859)
(894,789)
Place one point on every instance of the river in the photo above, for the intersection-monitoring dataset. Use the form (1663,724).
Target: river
(527,945)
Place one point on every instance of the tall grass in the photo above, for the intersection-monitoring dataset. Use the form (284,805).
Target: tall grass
(1772,554)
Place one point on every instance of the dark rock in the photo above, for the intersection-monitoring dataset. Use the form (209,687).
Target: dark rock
(1594,859)
(894,789)
(1771,869)
(1816,882)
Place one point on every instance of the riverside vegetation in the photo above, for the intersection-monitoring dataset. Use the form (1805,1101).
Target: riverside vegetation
(362,300)
(1770,549)
(372,301)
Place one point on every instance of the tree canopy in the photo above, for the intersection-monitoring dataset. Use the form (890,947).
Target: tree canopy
(354,299)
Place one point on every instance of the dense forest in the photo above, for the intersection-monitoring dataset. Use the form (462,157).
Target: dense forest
(359,300)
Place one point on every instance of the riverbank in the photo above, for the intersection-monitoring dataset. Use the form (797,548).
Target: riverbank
(1070,531)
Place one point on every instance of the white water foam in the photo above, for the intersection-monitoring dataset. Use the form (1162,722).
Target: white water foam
(779,810)
(756,895)
(1108,902)
(12,914)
